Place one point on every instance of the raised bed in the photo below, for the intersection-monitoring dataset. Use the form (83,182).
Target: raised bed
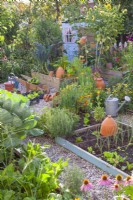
(51,82)
(89,140)
(30,86)
(111,73)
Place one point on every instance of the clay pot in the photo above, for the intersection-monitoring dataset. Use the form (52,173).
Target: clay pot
(100,83)
(108,126)
(9,86)
(60,72)
(83,40)
(51,73)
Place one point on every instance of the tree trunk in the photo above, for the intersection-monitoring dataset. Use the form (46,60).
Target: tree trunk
(57,10)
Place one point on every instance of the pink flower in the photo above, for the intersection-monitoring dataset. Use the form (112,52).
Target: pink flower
(117,59)
(105,181)
(119,179)
(86,186)
(128,181)
(116,187)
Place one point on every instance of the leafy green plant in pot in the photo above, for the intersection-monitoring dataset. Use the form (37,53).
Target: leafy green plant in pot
(62,63)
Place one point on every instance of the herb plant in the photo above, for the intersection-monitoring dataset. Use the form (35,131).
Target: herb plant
(79,139)
(58,122)
(113,158)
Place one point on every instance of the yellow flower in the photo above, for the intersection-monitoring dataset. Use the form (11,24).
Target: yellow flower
(77,199)
(108,6)
(93,17)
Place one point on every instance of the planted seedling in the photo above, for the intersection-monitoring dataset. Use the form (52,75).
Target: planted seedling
(34,81)
(129,165)
(79,139)
(100,142)
(33,95)
(86,119)
(90,150)
(113,158)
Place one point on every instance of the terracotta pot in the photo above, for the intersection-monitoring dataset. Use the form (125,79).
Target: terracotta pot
(83,40)
(9,86)
(51,73)
(100,83)
(108,126)
(60,72)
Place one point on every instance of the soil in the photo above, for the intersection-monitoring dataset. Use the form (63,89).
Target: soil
(120,143)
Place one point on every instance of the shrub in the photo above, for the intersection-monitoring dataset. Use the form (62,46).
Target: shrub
(69,97)
(73,177)
(58,121)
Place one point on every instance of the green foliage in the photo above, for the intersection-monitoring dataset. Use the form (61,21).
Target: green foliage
(5,22)
(78,139)
(58,122)
(103,20)
(129,165)
(128,56)
(90,150)
(86,119)
(46,32)
(113,81)
(127,191)
(121,90)
(69,97)
(35,178)
(34,81)
(73,177)
(99,113)
(15,112)
(62,62)
(33,95)
(113,158)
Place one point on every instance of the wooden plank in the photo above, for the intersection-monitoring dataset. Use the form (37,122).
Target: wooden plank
(81,130)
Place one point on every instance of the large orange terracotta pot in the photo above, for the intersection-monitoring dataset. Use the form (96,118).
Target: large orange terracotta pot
(100,83)
(60,72)
(108,126)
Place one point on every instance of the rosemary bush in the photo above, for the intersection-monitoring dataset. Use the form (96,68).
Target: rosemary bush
(58,122)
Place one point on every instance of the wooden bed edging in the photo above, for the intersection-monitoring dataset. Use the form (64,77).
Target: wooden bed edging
(89,157)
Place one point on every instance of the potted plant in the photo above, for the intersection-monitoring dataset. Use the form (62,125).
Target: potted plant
(61,65)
